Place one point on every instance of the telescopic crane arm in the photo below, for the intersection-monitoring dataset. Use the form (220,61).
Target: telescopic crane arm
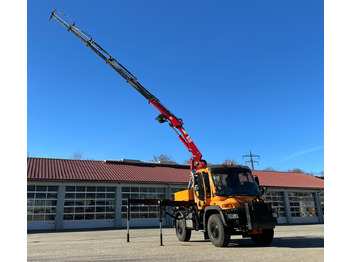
(165,115)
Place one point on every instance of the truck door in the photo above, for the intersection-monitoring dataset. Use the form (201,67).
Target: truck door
(207,188)
(201,189)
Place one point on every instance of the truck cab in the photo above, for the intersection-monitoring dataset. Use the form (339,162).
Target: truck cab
(225,186)
(226,201)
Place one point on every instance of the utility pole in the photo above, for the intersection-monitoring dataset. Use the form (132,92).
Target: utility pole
(251,158)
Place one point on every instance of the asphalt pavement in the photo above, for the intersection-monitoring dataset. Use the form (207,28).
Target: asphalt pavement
(291,243)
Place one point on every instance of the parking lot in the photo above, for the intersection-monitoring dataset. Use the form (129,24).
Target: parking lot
(291,243)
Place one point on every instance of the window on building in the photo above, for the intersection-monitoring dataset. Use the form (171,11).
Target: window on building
(89,203)
(302,204)
(277,201)
(321,196)
(41,203)
(141,211)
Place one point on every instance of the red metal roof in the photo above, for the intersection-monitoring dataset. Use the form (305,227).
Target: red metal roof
(68,169)
(287,179)
(91,170)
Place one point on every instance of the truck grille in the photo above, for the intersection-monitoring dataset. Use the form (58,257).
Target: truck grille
(259,215)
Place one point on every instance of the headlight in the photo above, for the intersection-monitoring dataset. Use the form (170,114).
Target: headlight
(232,216)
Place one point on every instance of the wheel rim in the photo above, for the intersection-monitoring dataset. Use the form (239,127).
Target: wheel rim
(214,230)
(179,228)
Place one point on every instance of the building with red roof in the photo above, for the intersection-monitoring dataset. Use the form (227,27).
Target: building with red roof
(66,193)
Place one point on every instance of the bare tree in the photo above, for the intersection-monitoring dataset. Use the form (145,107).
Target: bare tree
(269,169)
(78,155)
(295,170)
(230,161)
(188,162)
(319,174)
(163,158)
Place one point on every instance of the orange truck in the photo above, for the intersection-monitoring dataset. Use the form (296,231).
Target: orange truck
(226,201)
(221,200)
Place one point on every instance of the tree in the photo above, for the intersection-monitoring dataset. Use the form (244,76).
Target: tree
(163,158)
(77,155)
(230,161)
(295,170)
(319,174)
(188,162)
(269,169)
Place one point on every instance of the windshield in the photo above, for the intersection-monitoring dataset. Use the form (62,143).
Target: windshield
(233,182)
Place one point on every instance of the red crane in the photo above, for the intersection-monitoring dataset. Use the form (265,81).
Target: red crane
(165,115)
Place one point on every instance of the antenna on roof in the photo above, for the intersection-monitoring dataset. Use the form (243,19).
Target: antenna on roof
(251,159)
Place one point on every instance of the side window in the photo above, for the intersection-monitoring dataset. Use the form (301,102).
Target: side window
(207,185)
(199,186)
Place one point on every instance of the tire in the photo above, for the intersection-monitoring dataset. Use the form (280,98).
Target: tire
(263,239)
(219,235)
(182,233)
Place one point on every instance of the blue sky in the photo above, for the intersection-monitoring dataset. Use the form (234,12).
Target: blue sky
(243,75)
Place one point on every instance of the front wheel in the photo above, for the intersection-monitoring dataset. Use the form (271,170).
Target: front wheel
(182,233)
(263,239)
(218,233)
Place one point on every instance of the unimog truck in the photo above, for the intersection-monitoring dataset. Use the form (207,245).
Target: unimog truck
(226,201)
(221,200)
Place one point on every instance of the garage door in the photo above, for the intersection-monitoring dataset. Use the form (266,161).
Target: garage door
(89,207)
(277,201)
(302,207)
(41,207)
(142,215)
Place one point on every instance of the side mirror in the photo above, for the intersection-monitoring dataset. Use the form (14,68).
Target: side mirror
(263,189)
(257,180)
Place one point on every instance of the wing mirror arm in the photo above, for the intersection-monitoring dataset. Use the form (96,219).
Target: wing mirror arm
(263,189)
(257,180)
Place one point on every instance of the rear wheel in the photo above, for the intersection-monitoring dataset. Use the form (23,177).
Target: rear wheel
(182,233)
(263,239)
(218,233)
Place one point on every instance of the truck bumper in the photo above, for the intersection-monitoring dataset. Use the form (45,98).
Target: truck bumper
(255,216)
(259,216)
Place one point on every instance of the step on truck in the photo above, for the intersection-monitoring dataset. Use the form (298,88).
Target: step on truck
(220,200)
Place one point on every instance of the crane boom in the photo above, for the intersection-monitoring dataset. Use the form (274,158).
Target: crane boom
(165,115)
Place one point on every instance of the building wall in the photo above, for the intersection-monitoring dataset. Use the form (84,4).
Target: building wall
(72,205)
